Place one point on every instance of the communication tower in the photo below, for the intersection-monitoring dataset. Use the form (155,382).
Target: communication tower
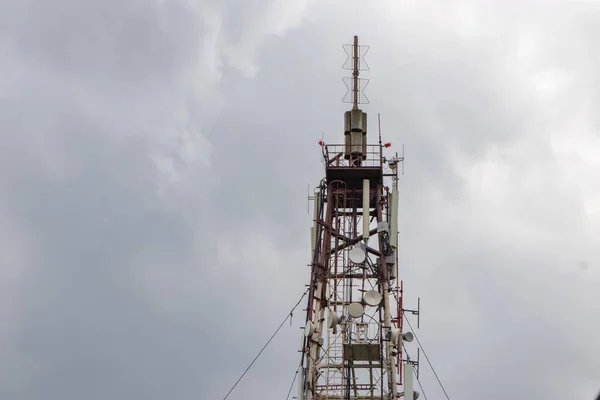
(353,338)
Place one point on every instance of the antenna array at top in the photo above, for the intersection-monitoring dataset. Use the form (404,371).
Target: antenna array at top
(349,96)
(355,62)
(362,51)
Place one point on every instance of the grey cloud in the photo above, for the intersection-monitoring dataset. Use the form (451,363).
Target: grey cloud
(150,282)
(124,41)
(79,179)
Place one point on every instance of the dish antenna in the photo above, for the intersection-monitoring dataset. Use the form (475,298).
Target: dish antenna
(356,310)
(358,254)
(395,336)
(332,320)
(415,394)
(373,298)
(407,337)
(309,329)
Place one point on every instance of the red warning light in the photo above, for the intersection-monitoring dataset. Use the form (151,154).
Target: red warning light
(321,143)
(387,145)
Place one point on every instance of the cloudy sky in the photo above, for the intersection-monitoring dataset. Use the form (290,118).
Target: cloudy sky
(154,163)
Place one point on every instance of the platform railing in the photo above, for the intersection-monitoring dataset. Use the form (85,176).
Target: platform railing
(334,156)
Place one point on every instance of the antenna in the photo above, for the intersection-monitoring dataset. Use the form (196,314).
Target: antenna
(379,126)
(416,312)
(418,360)
(309,198)
(402,159)
(358,254)
(373,298)
(355,74)
(356,63)
(356,310)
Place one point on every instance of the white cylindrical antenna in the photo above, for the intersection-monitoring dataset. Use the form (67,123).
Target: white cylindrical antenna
(366,207)
(408,381)
(394,218)
(395,336)
(313,230)
(312,244)
(300,383)
(316,198)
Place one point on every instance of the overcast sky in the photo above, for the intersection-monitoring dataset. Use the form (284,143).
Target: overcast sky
(154,163)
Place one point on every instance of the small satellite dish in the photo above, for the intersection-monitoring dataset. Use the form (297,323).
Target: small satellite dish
(373,298)
(415,394)
(395,336)
(408,337)
(309,329)
(358,254)
(332,320)
(356,310)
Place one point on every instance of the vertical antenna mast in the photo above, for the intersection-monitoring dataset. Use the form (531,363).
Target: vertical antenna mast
(356,63)
(355,74)
(353,337)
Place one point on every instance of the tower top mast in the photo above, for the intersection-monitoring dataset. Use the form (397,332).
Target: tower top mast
(356,63)
(355,73)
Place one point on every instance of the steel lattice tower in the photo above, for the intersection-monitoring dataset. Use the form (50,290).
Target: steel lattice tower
(352,345)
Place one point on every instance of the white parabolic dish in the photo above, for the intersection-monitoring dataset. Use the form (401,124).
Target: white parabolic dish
(373,298)
(356,310)
(309,329)
(332,320)
(358,254)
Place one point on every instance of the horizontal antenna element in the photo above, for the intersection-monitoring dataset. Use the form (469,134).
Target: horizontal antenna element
(349,96)
(362,51)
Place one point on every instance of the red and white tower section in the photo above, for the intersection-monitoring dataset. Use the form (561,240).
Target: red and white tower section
(353,336)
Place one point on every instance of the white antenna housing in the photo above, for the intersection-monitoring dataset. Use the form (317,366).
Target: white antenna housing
(366,207)
(408,381)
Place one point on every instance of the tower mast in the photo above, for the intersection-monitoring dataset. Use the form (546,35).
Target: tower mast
(352,345)
(355,73)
